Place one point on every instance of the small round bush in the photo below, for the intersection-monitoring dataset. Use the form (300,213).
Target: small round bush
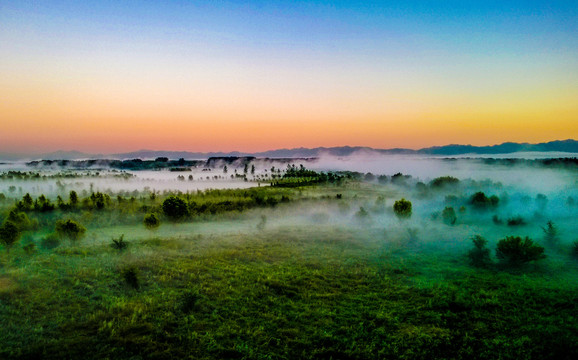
(175,208)
(69,229)
(402,208)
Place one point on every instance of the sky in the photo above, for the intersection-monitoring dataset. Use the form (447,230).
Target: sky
(112,76)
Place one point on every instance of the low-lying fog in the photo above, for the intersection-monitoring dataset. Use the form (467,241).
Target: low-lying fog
(525,176)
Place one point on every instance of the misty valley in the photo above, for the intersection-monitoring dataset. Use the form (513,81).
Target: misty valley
(356,257)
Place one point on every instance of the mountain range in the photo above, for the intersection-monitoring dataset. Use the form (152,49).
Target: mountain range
(568,146)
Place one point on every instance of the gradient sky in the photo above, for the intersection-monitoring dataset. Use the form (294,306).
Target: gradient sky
(110,76)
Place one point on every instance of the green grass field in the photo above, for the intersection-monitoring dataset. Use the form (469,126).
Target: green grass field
(309,287)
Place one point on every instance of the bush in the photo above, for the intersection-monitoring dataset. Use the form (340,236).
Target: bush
(449,215)
(443,181)
(130,276)
(9,234)
(362,214)
(402,209)
(479,255)
(550,233)
(481,202)
(151,221)
(516,221)
(515,251)
(262,223)
(175,208)
(51,241)
(119,243)
(69,229)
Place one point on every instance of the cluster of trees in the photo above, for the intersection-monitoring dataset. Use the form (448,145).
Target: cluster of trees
(512,251)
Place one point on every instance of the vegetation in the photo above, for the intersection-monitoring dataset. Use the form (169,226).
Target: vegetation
(284,272)
(481,202)
(151,221)
(119,243)
(402,209)
(9,234)
(449,215)
(480,255)
(69,229)
(175,208)
(550,234)
(515,251)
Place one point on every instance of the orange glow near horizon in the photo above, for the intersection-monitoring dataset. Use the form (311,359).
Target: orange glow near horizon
(116,84)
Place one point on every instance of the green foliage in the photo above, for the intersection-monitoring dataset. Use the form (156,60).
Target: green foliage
(21,220)
(402,209)
(151,221)
(480,255)
(43,204)
(444,181)
(69,229)
(99,200)
(516,221)
(515,251)
(73,198)
(362,214)
(262,223)
(119,244)
(9,234)
(449,215)
(575,249)
(50,241)
(550,234)
(481,202)
(130,276)
(29,249)
(175,208)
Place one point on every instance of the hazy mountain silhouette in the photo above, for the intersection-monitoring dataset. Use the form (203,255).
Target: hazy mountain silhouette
(570,146)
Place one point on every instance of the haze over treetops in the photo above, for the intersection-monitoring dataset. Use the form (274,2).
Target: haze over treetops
(110,76)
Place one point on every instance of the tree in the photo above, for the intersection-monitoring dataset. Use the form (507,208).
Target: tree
(151,221)
(550,233)
(175,208)
(252,169)
(480,254)
(69,229)
(515,251)
(73,199)
(225,169)
(402,209)
(449,215)
(9,234)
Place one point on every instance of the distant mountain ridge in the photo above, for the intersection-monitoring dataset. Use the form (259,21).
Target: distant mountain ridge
(569,146)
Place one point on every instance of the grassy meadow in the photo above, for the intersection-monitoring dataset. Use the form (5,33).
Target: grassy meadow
(311,269)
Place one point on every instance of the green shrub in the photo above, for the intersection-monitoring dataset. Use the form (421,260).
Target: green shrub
(9,234)
(516,221)
(402,209)
(130,276)
(550,233)
(151,221)
(449,215)
(480,254)
(262,223)
(119,243)
(362,214)
(175,208)
(515,251)
(481,202)
(444,181)
(69,229)
(51,241)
